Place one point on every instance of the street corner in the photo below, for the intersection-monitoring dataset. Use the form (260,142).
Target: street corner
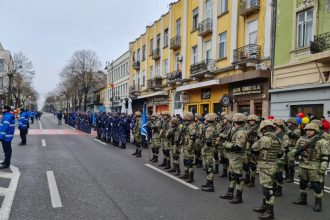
(8,185)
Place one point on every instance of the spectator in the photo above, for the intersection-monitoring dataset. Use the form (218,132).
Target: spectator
(325,124)
(59,118)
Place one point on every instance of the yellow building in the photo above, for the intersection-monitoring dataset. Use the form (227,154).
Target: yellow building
(202,52)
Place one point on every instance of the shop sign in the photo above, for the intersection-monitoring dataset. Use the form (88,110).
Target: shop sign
(247,90)
(206,93)
(225,101)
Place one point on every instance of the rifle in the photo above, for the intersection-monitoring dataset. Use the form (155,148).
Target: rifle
(310,145)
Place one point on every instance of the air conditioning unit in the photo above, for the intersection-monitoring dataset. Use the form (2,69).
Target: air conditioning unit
(179,58)
(261,66)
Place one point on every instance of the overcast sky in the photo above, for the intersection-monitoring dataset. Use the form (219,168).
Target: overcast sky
(49,31)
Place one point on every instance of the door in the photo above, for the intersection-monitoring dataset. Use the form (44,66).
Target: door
(208,9)
(207,50)
(251,32)
(205,109)
(192,108)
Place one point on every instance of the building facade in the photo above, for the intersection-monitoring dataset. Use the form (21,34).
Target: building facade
(302,59)
(118,84)
(5,66)
(201,53)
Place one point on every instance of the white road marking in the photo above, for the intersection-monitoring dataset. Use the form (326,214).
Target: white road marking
(3,191)
(40,125)
(326,189)
(9,193)
(43,142)
(54,194)
(172,177)
(101,142)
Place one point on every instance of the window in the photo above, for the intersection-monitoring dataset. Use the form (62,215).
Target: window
(144,78)
(304,28)
(207,50)
(177,98)
(151,46)
(144,52)
(127,71)
(1,83)
(133,56)
(208,9)
(223,6)
(165,37)
(178,27)
(158,70)
(177,61)
(315,110)
(138,55)
(2,65)
(158,41)
(195,19)
(222,45)
(194,55)
(165,65)
(151,72)
(252,32)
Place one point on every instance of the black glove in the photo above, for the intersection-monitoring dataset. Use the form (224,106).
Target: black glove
(293,135)
(236,148)
(209,143)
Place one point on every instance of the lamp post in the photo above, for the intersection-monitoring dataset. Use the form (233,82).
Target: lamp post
(108,65)
(10,82)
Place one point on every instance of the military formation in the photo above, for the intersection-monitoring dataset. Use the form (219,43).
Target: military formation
(243,146)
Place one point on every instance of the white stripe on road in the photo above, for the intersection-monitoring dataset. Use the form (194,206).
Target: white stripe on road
(40,125)
(326,189)
(101,142)
(43,142)
(172,177)
(54,194)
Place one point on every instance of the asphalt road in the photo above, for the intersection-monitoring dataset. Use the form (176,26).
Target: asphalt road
(97,181)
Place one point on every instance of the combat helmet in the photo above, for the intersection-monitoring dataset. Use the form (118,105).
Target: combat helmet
(239,117)
(252,118)
(188,116)
(312,126)
(229,117)
(278,122)
(292,121)
(266,123)
(211,117)
(156,115)
(198,115)
(166,113)
(174,120)
(138,114)
(318,122)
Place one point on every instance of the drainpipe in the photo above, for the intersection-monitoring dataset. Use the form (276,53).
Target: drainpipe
(273,36)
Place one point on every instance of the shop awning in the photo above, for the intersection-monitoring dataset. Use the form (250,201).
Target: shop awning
(154,94)
(198,85)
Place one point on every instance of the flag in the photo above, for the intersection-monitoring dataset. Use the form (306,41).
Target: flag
(144,123)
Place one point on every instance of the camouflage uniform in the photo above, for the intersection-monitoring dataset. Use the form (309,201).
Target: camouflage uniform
(199,140)
(313,156)
(155,126)
(165,126)
(175,140)
(235,148)
(189,136)
(209,150)
(269,149)
(250,165)
(137,134)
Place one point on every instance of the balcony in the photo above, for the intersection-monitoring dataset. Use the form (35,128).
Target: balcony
(155,83)
(134,90)
(136,65)
(205,27)
(175,43)
(248,53)
(202,69)
(156,54)
(321,43)
(249,7)
(174,78)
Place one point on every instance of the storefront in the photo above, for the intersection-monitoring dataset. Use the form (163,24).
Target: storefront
(156,102)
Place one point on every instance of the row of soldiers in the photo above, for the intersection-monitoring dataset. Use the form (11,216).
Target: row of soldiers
(80,120)
(241,144)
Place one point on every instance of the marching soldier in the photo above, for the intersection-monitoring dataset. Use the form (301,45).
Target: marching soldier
(209,150)
(199,140)
(235,148)
(164,143)
(269,149)
(175,140)
(312,152)
(137,134)
(155,126)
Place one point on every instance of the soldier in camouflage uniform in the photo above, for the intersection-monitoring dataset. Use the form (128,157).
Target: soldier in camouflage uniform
(165,126)
(268,149)
(189,136)
(155,127)
(284,140)
(294,134)
(175,141)
(312,151)
(199,140)
(223,136)
(236,149)
(319,123)
(137,134)
(250,166)
(209,149)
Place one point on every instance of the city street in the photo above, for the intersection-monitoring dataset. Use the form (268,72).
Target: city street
(65,174)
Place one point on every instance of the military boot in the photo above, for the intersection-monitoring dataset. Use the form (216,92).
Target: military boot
(123,146)
(216,169)
(209,187)
(190,177)
(290,178)
(199,163)
(156,159)
(247,179)
(318,205)
(136,152)
(168,165)
(252,182)
(185,175)
(268,214)
(173,169)
(278,191)
(177,166)
(139,153)
(302,200)
(229,194)
(163,164)
(152,159)
(224,173)
(238,198)
(262,208)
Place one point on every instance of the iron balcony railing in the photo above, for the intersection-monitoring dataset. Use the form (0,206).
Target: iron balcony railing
(248,7)
(174,76)
(155,83)
(321,43)
(136,65)
(205,27)
(250,52)
(134,89)
(203,67)
(175,43)
(156,54)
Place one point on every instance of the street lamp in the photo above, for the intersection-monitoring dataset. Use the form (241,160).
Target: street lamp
(107,65)
(10,83)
